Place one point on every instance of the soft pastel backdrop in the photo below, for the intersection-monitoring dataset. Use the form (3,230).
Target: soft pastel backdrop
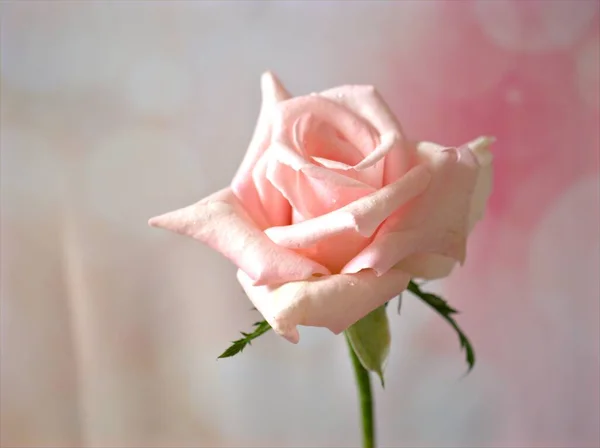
(112,112)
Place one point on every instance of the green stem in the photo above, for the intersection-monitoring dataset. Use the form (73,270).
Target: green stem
(363,383)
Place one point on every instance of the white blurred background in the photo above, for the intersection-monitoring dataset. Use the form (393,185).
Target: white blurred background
(112,112)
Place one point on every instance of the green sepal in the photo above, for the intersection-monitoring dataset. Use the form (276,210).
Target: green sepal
(370,339)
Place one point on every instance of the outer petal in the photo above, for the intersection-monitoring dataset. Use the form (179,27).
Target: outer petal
(272,203)
(366,102)
(273,92)
(428,266)
(334,302)
(483,186)
(435,222)
(432,266)
(249,183)
(222,222)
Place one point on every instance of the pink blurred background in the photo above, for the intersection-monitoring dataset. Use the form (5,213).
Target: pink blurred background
(112,112)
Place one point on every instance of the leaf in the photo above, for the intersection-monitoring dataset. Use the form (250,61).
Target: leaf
(399,303)
(239,345)
(446,311)
(370,339)
(370,336)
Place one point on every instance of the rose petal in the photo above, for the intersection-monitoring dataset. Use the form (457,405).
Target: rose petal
(333,165)
(276,208)
(360,170)
(335,251)
(243,183)
(363,215)
(387,142)
(320,141)
(282,153)
(314,137)
(310,189)
(435,222)
(317,190)
(273,92)
(432,266)
(334,302)
(483,186)
(366,102)
(427,266)
(290,114)
(221,222)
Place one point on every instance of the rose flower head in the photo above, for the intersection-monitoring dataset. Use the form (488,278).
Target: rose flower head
(333,209)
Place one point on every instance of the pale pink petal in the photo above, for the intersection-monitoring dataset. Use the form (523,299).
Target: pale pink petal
(243,183)
(310,189)
(284,154)
(334,165)
(327,143)
(427,266)
(363,215)
(318,140)
(273,93)
(336,237)
(366,102)
(317,127)
(360,170)
(334,251)
(307,109)
(387,142)
(436,222)
(334,302)
(432,266)
(276,208)
(483,186)
(221,222)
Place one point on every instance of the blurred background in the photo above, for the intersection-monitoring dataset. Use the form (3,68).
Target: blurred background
(112,112)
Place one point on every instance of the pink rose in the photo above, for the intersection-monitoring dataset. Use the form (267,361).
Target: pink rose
(333,210)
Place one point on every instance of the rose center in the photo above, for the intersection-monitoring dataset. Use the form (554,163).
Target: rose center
(322,142)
